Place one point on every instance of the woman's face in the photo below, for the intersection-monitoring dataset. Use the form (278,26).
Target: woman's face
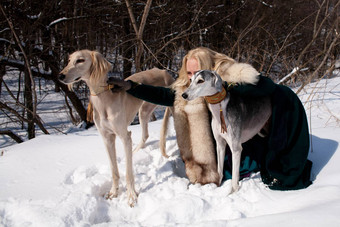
(192,67)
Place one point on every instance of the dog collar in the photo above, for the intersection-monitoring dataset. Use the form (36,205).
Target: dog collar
(216,98)
(101,89)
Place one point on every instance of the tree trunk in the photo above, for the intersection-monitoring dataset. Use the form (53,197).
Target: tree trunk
(29,106)
(127,51)
(139,31)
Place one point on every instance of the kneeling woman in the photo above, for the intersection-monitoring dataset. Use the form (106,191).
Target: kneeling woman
(281,157)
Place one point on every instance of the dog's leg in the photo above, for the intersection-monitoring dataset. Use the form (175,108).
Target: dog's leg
(130,181)
(236,158)
(110,143)
(144,115)
(164,130)
(221,144)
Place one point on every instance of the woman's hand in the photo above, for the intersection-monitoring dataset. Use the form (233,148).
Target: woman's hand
(119,84)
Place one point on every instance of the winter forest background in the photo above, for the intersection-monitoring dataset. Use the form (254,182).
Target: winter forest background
(297,38)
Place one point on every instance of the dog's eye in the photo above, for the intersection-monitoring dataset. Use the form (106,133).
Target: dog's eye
(200,81)
(80,61)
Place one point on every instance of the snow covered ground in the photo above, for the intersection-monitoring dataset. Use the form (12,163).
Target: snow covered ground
(60,180)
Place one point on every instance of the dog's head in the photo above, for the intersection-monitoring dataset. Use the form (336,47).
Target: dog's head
(84,65)
(203,83)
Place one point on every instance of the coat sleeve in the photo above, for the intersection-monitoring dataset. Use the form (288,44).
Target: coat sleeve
(265,87)
(157,95)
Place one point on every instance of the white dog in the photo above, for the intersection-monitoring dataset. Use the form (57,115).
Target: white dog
(235,119)
(113,112)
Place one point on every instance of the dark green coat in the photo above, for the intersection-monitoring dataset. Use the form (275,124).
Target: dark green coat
(282,156)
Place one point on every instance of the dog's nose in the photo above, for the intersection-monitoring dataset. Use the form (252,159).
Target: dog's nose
(61,76)
(185,95)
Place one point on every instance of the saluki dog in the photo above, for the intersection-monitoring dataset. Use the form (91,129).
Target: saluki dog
(235,119)
(113,112)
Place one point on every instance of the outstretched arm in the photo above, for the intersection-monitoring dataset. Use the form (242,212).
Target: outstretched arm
(154,94)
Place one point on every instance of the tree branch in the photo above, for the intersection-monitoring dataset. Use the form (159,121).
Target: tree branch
(132,17)
(12,135)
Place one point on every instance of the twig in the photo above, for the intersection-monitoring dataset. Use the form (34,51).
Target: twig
(321,64)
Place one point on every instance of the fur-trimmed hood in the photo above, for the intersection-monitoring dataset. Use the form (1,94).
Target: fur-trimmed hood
(241,73)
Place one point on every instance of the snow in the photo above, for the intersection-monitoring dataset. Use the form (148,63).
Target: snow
(57,21)
(60,180)
(296,69)
(32,17)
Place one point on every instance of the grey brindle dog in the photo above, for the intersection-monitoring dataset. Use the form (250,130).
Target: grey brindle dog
(235,119)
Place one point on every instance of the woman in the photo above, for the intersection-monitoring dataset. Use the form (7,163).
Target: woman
(281,157)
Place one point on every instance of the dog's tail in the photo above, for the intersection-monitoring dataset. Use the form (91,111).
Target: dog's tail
(164,130)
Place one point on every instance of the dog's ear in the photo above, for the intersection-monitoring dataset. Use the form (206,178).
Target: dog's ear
(217,80)
(99,65)
(70,87)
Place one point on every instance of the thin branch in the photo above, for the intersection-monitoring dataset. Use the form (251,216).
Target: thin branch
(13,111)
(144,17)
(316,31)
(132,17)
(284,43)
(186,32)
(331,46)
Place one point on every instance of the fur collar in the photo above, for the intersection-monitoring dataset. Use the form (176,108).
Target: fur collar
(240,73)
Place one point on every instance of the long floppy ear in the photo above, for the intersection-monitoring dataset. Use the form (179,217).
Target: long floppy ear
(70,87)
(100,66)
(217,80)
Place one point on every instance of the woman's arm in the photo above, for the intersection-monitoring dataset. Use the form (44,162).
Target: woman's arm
(154,94)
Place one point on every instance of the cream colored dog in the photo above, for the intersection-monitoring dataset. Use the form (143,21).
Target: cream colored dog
(113,112)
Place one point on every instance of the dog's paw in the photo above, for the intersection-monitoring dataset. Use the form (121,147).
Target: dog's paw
(234,188)
(113,193)
(220,179)
(132,198)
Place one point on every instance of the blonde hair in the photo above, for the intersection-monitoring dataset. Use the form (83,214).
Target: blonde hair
(207,59)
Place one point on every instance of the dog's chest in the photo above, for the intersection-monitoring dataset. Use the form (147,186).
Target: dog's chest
(218,109)
(103,113)
(219,119)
